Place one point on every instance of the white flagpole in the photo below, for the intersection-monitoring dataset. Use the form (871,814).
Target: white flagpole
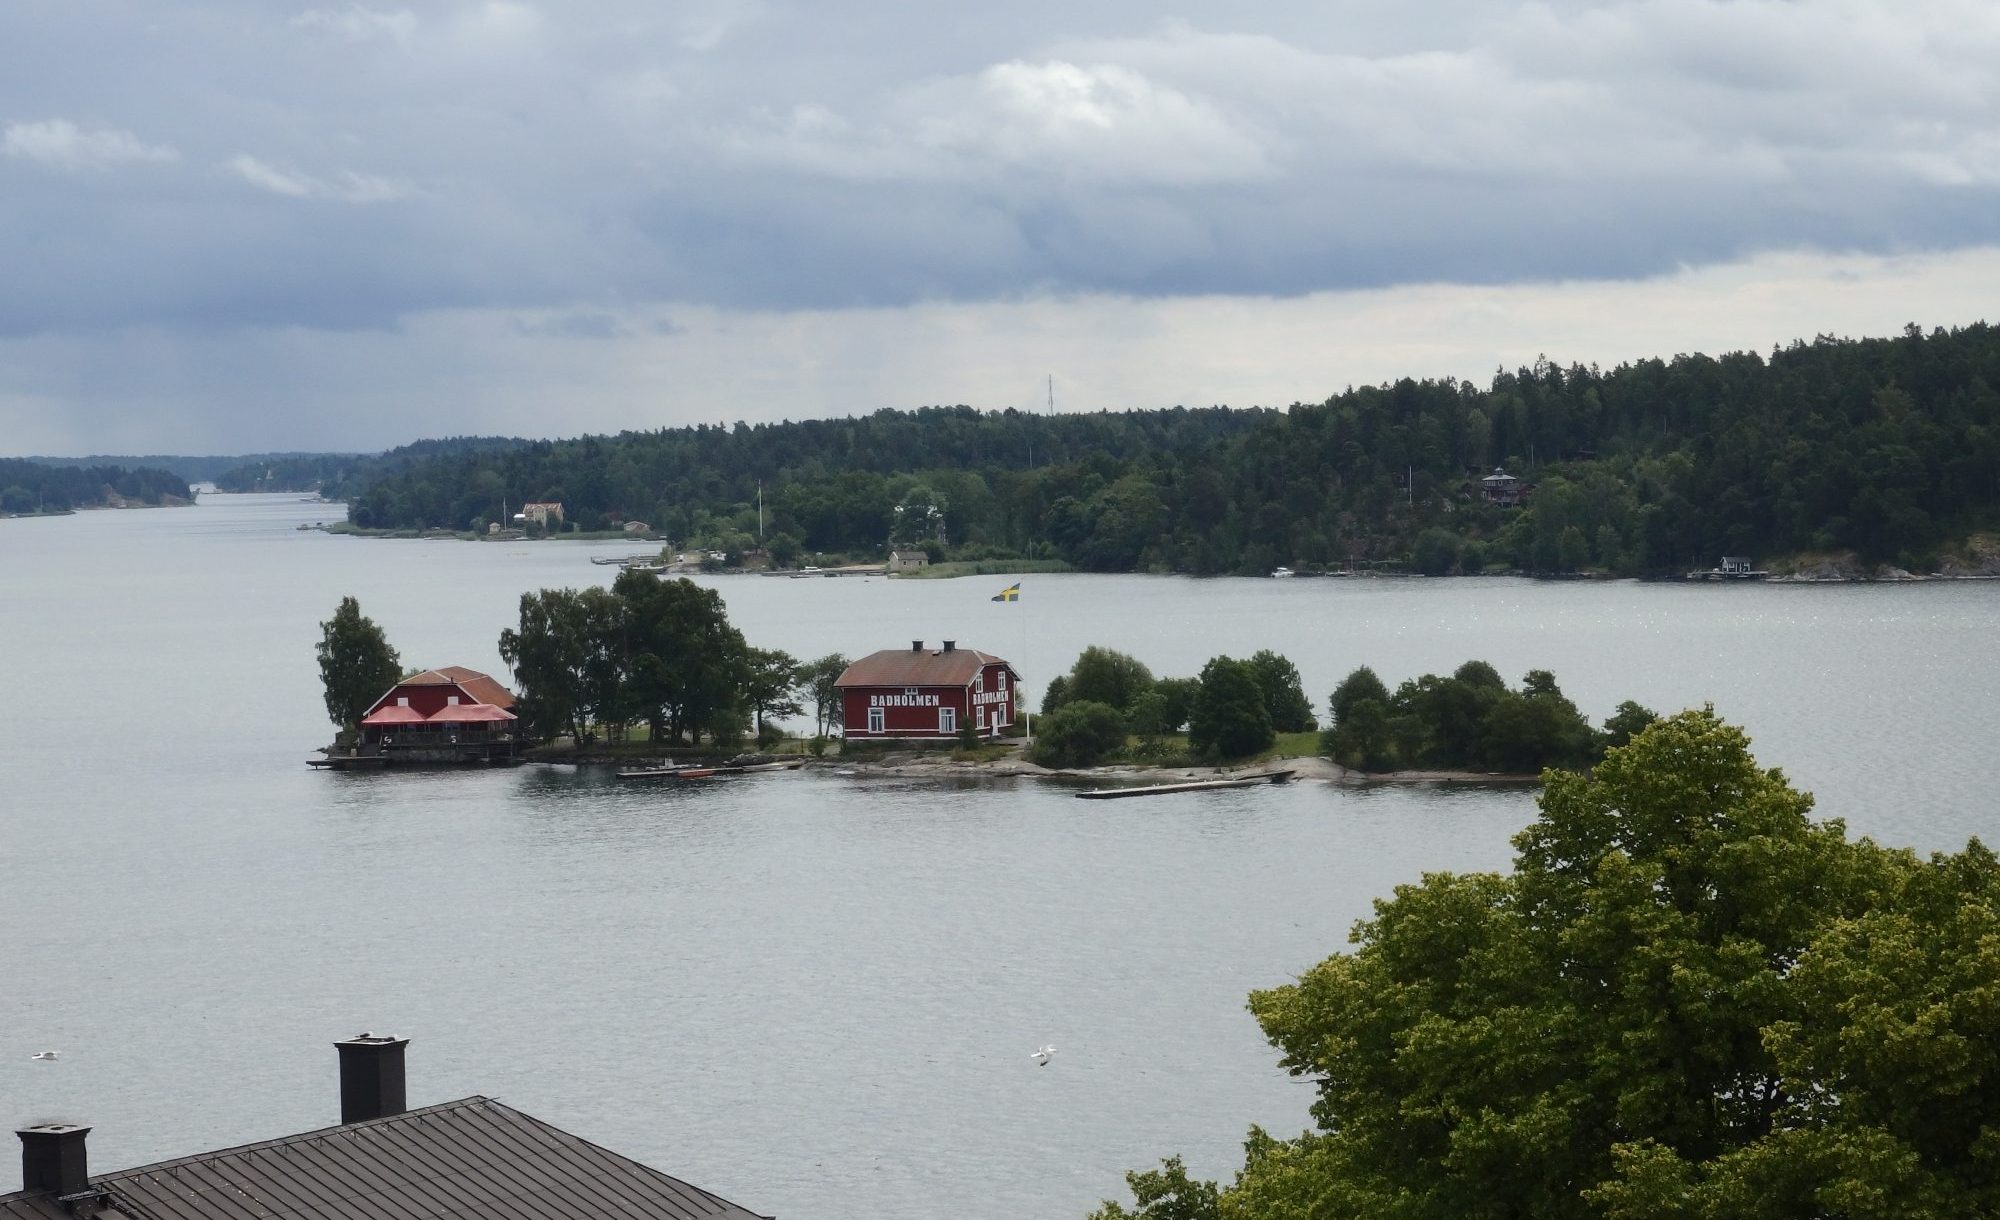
(1027,710)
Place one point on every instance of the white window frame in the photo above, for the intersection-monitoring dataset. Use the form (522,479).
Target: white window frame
(878,720)
(947,719)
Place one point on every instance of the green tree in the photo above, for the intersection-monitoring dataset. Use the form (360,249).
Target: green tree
(1079,735)
(1627,721)
(818,677)
(1355,687)
(1538,727)
(1102,675)
(17,500)
(772,686)
(1686,1000)
(1229,718)
(1436,552)
(356,664)
(1359,735)
(1284,695)
(689,667)
(568,661)
(1177,701)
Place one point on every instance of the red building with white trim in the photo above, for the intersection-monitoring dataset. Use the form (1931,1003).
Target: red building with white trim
(442,715)
(926,693)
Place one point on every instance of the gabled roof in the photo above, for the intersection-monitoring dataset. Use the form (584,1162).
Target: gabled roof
(929,667)
(465,1160)
(470,713)
(477,686)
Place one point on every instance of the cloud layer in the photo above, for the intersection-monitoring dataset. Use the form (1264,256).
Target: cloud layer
(228,166)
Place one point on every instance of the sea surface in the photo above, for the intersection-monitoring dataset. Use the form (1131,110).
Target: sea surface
(814,993)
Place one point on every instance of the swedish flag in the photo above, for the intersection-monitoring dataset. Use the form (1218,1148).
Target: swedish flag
(1012,593)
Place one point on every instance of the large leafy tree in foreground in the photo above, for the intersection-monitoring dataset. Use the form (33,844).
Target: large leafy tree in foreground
(1687,1000)
(356,664)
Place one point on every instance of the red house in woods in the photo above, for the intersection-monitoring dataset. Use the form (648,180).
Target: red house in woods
(926,693)
(442,715)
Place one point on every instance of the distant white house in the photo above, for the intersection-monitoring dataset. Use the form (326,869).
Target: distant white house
(540,512)
(638,527)
(904,561)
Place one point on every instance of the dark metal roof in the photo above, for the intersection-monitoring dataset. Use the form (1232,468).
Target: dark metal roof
(916,667)
(465,1159)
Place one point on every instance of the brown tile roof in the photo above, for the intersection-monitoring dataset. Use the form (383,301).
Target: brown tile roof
(465,1160)
(930,667)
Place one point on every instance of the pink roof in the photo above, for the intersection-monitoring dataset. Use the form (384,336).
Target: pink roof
(469,713)
(395,713)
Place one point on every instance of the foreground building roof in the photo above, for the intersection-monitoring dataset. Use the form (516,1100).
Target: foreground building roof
(473,1159)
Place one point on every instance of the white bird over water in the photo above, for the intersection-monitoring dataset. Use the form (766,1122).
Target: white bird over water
(1042,1056)
(46,1055)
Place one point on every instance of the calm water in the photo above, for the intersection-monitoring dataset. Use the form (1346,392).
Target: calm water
(812,993)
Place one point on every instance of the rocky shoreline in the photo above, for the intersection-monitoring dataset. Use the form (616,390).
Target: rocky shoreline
(1980,560)
(1015,765)
(918,763)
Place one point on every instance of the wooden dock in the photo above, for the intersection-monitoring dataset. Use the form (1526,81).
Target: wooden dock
(1193,785)
(709,772)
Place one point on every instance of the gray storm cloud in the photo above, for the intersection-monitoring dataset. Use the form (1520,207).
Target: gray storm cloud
(215,204)
(345,165)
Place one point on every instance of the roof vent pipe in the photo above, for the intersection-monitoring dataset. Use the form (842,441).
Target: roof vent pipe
(53,1159)
(371,1077)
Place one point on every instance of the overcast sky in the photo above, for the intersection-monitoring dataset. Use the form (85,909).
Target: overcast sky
(235,225)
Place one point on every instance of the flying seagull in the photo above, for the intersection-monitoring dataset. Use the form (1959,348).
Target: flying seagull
(46,1055)
(1042,1056)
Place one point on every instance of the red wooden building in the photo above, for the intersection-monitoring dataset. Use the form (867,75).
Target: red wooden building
(922,692)
(441,715)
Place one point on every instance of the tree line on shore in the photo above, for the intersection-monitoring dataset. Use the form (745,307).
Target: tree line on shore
(1686,1000)
(1110,705)
(31,487)
(1886,447)
(594,663)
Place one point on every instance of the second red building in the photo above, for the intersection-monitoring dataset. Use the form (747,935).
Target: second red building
(927,692)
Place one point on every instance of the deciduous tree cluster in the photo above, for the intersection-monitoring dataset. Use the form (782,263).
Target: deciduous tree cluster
(658,652)
(1687,1000)
(1470,720)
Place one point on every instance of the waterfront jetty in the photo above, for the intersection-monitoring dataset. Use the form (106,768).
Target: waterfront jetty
(1196,785)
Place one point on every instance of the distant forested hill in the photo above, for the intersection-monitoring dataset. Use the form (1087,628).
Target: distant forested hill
(342,475)
(191,468)
(32,487)
(1889,448)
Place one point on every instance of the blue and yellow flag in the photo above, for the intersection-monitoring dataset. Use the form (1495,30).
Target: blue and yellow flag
(1012,593)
